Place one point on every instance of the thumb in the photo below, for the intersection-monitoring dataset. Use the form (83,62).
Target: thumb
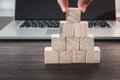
(63,4)
(83,4)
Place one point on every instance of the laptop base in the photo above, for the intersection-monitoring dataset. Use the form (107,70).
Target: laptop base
(12,32)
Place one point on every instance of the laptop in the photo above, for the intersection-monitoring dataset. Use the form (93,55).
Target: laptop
(39,19)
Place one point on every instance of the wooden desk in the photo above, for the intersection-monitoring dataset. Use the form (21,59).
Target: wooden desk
(23,60)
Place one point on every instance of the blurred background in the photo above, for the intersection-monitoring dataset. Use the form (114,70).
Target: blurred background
(118,7)
(7,8)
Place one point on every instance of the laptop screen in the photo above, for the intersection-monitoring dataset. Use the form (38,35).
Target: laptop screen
(50,10)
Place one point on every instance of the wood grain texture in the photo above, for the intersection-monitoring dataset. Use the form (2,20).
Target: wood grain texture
(50,56)
(58,43)
(65,57)
(73,15)
(24,60)
(72,43)
(79,57)
(84,25)
(81,29)
(78,30)
(67,30)
(87,43)
(93,56)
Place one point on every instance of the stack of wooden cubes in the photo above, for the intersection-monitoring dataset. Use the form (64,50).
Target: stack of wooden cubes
(73,44)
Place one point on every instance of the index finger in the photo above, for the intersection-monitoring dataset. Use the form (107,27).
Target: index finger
(63,4)
(83,4)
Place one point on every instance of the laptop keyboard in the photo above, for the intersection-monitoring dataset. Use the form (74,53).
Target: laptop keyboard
(40,24)
(56,24)
(99,24)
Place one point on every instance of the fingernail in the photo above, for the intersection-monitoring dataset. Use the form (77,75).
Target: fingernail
(83,8)
(63,9)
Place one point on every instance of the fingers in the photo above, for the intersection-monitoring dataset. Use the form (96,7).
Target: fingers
(63,4)
(83,4)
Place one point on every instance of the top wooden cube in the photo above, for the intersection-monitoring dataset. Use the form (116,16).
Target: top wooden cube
(73,15)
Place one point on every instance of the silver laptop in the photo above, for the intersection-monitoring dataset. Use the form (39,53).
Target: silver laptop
(38,19)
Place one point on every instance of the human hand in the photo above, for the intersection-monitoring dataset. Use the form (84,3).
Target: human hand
(82,4)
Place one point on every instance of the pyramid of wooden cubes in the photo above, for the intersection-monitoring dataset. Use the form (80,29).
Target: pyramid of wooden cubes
(73,44)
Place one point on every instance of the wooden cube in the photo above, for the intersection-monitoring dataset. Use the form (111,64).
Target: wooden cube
(67,30)
(87,43)
(78,30)
(93,56)
(73,15)
(65,57)
(84,25)
(81,29)
(72,43)
(79,57)
(58,43)
(50,56)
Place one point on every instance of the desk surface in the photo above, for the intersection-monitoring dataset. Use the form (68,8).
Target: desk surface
(23,60)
